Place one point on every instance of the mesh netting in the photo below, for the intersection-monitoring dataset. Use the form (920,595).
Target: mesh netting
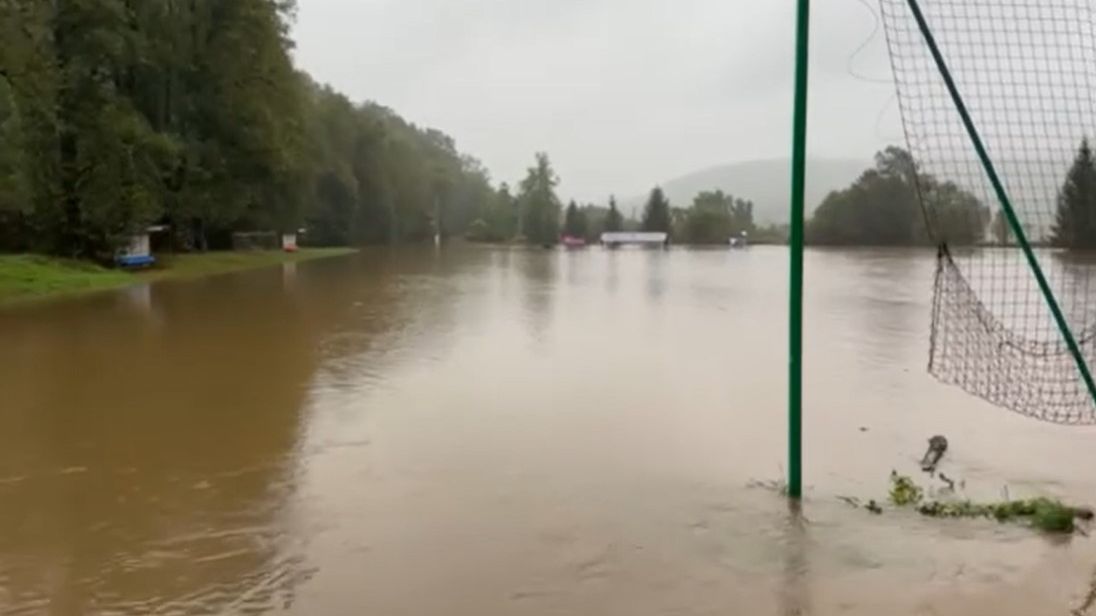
(1025,70)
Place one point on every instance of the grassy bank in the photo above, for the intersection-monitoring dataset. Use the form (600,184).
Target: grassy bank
(25,277)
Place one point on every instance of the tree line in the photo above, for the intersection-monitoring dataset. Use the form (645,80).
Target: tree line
(536,215)
(893,203)
(118,114)
(883,207)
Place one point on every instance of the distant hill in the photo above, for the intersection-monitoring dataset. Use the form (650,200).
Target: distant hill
(765,182)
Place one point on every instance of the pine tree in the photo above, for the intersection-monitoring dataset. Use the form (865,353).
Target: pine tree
(656,215)
(502,218)
(539,203)
(614,221)
(1075,224)
(574,222)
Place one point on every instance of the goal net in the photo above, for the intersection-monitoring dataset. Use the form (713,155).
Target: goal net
(1025,71)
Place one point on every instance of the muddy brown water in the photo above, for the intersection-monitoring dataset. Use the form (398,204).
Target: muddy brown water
(502,431)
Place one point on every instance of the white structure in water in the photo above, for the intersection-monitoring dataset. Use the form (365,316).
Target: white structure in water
(136,253)
(289,242)
(642,238)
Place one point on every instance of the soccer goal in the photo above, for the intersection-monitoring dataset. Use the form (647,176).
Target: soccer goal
(997,104)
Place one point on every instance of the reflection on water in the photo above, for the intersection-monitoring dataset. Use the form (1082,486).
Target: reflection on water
(464,430)
(655,274)
(289,275)
(538,279)
(131,471)
(796,584)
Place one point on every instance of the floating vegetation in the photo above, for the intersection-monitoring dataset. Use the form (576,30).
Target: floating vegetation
(904,491)
(1042,513)
(1045,514)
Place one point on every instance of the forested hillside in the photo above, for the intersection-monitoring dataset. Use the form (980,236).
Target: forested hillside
(117,114)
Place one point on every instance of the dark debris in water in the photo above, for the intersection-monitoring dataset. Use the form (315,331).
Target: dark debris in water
(938,445)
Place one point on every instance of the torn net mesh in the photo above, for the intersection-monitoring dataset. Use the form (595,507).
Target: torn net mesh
(1026,71)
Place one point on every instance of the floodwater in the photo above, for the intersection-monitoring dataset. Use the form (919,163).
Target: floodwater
(479,431)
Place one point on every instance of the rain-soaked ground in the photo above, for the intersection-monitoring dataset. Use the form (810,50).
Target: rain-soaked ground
(508,432)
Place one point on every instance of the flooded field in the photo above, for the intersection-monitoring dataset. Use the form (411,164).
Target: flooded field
(509,432)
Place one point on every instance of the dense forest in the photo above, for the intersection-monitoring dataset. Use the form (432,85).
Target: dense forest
(116,114)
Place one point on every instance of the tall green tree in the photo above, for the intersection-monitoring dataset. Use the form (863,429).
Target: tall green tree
(469,191)
(132,111)
(957,216)
(29,73)
(595,216)
(614,220)
(110,159)
(244,165)
(882,207)
(742,219)
(14,192)
(656,214)
(713,218)
(498,218)
(539,204)
(574,222)
(336,133)
(502,217)
(709,220)
(1075,223)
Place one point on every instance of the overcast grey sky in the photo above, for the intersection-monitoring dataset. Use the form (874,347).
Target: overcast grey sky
(622,94)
